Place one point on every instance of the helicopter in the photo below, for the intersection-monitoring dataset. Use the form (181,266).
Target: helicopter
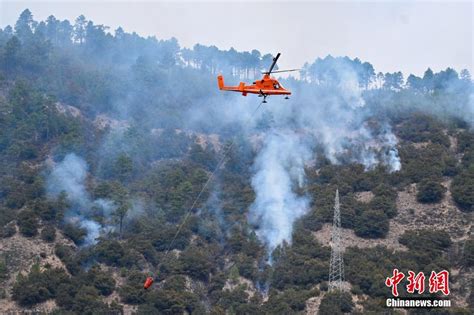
(264,87)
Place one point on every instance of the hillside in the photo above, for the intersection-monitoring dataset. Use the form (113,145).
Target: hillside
(104,156)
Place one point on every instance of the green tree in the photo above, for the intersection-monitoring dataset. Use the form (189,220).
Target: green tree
(80,29)
(120,212)
(371,224)
(25,25)
(3,270)
(10,60)
(468,257)
(393,81)
(75,233)
(28,223)
(427,242)
(462,189)
(197,263)
(430,191)
(123,167)
(336,303)
(87,301)
(38,286)
(101,280)
(48,233)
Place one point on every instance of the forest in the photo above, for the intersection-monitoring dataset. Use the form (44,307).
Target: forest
(107,138)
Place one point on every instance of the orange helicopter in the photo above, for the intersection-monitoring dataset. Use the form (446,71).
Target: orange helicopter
(264,87)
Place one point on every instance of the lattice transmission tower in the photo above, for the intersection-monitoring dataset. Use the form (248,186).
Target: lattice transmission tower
(336,266)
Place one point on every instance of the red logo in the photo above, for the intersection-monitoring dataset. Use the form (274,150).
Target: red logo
(438,282)
(416,282)
(394,281)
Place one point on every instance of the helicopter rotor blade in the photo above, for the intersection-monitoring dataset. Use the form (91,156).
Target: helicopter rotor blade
(278,71)
(274,63)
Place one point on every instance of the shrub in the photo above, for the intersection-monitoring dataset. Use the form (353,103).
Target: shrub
(76,234)
(384,204)
(421,163)
(6,215)
(3,270)
(462,189)
(48,233)
(247,268)
(430,191)
(87,301)
(336,303)
(110,252)
(68,257)
(38,286)
(468,256)
(290,299)
(421,127)
(102,281)
(300,267)
(44,210)
(196,263)
(465,141)
(384,190)
(132,292)
(426,241)
(371,224)
(8,230)
(28,223)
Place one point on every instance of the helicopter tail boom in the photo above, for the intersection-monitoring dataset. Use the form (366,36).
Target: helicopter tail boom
(220,82)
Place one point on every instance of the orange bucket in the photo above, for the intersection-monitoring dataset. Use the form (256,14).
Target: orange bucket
(148,282)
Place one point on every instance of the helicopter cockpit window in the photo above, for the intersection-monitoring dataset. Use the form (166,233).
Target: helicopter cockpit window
(276,85)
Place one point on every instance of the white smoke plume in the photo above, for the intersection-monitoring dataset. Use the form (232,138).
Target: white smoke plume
(333,116)
(338,119)
(69,176)
(279,172)
(93,230)
(391,157)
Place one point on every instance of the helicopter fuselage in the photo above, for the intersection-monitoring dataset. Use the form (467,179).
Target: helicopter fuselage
(266,86)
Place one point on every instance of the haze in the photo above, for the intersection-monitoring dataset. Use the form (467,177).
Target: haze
(406,36)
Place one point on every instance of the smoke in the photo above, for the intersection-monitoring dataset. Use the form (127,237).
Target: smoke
(372,148)
(333,117)
(69,176)
(279,173)
(391,156)
(93,230)
(331,114)
(339,120)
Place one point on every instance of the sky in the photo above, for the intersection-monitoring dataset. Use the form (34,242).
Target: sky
(392,35)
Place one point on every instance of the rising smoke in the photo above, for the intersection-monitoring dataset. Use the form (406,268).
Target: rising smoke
(279,172)
(333,117)
(69,176)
